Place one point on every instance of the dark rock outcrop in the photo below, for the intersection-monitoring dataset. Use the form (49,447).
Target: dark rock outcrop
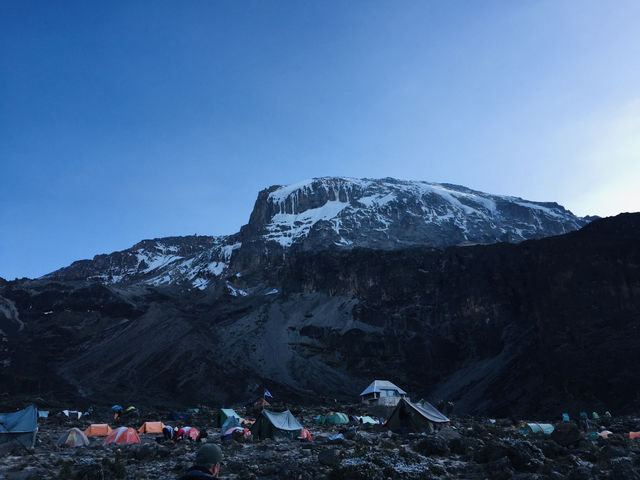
(541,326)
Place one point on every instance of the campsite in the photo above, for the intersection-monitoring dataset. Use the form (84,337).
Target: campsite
(318,441)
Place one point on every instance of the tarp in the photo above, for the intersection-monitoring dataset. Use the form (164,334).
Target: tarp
(176,416)
(270,424)
(222,416)
(414,417)
(367,420)
(98,430)
(72,413)
(73,438)
(151,427)
(528,428)
(20,426)
(122,436)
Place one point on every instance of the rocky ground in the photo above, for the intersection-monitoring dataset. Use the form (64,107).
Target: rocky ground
(471,448)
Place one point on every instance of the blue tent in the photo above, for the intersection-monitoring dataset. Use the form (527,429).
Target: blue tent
(20,427)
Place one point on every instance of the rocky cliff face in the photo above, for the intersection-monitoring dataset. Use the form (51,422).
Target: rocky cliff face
(534,327)
(391,214)
(329,213)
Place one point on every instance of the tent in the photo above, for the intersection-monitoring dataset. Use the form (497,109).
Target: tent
(237,433)
(98,430)
(223,415)
(332,418)
(73,438)
(151,427)
(122,436)
(177,416)
(414,417)
(528,428)
(270,424)
(20,427)
(186,433)
(43,413)
(367,420)
(231,422)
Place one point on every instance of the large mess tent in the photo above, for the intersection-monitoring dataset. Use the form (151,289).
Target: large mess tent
(415,417)
(20,427)
(272,424)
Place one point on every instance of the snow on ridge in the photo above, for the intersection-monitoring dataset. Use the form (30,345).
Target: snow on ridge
(227,250)
(298,225)
(236,292)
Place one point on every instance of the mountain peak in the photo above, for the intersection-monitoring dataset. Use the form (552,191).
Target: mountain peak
(331,212)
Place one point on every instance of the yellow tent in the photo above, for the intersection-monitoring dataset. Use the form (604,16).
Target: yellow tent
(98,430)
(151,427)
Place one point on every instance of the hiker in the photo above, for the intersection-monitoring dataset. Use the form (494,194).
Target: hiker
(448,408)
(202,434)
(207,463)
(182,433)
(167,432)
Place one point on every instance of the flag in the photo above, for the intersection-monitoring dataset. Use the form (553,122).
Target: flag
(267,393)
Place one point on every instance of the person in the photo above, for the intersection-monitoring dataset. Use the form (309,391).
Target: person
(206,465)
(167,432)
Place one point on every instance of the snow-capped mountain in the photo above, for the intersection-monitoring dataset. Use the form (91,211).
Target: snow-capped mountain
(391,214)
(193,260)
(330,212)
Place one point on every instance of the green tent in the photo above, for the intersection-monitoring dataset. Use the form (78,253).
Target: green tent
(528,428)
(332,418)
(336,418)
(20,427)
(271,424)
(223,415)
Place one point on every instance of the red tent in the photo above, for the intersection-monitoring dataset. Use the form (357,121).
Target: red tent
(122,436)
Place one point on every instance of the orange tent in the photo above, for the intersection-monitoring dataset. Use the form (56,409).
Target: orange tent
(98,430)
(122,436)
(633,435)
(151,427)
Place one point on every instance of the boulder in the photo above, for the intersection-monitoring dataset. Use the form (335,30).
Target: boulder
(329,457)
(566,434)
(433,446)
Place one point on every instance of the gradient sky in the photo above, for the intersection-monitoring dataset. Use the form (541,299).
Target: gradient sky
(121,121)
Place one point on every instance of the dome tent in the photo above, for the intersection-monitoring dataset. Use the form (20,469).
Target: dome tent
(73,438)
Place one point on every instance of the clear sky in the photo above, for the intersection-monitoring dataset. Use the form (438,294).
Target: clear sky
(121,121)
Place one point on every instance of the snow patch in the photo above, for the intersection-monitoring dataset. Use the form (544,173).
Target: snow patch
(236,292)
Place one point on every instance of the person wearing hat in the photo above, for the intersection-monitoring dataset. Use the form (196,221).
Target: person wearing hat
(207,464)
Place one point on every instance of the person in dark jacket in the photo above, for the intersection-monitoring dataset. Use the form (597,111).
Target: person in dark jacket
(207,464)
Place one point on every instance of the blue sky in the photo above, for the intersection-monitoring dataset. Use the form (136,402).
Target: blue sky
(121,121)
